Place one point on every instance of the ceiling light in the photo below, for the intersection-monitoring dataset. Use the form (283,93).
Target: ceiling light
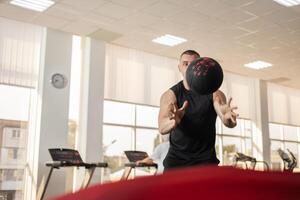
(37,5)
(258,65)
(169,40)
(288,3)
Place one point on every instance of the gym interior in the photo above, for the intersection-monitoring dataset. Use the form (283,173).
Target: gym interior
(81,83)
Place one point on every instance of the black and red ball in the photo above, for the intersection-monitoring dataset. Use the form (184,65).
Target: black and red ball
(204,75)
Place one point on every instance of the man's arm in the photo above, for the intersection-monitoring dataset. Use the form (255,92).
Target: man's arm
(169,115)
(154,158)
(224,109)
(165,124)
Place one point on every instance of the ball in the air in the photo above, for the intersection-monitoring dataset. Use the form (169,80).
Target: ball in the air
(204,75)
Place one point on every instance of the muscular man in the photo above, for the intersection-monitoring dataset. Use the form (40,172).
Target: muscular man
(190,119)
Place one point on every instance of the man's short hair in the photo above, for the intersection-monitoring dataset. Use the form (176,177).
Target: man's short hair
(191,53)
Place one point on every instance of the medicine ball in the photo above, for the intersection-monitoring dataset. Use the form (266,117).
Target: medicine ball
(204,75)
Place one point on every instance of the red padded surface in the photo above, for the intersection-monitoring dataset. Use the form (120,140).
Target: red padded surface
(198,183)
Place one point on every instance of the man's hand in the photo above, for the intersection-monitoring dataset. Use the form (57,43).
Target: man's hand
(147,160)
(139,162)
(229,116)
(175,114)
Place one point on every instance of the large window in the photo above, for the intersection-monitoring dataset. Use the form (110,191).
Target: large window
(233,140)
(283,137)
(130,126)
(13,139)
(127,126)
(20,46)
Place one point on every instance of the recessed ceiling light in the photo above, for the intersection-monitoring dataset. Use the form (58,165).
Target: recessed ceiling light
(288,3)
(258,65)
(169,40)
(37,5)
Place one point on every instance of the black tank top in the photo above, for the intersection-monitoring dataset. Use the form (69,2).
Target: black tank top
(192,142)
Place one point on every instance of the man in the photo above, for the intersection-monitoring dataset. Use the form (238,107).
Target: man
(190,119)
(158,155)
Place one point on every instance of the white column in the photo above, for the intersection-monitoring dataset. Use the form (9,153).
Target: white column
(261,140)
(49,127)
(89,138)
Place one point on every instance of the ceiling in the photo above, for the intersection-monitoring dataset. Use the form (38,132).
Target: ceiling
(234,32)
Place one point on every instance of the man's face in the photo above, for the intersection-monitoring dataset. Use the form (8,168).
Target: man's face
(184,62)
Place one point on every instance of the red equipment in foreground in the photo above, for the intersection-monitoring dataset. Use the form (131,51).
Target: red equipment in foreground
(199,183)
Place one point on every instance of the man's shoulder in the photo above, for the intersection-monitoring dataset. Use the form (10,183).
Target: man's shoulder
(169,94)
(175,88)
(179,84)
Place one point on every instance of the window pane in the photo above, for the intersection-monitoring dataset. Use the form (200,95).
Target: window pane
(217,147)
(218,126)
(248,128)
(119,113)
(147,116)
(274,130)
(231,145)
(116,140)
(11,183)
(248,144)
(293,147)
(14,112)
(290,133)
(146,140)
(233,131)
(276,163)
